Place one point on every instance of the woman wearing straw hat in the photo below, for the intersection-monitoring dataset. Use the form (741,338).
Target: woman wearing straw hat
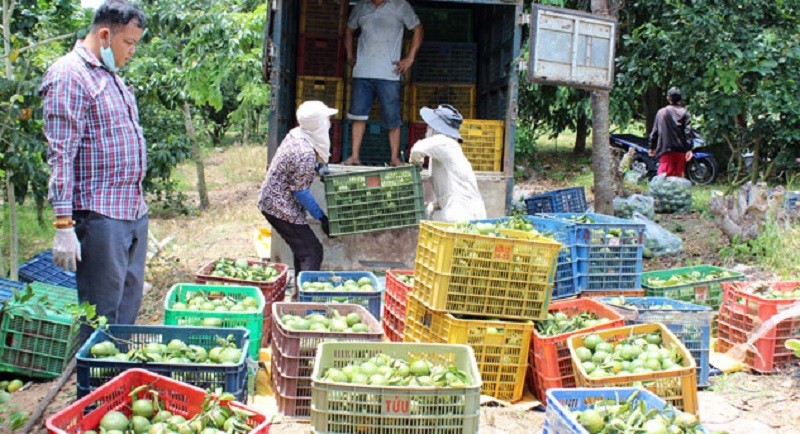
(454,183)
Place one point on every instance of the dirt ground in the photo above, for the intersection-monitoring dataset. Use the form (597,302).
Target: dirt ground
(738,403)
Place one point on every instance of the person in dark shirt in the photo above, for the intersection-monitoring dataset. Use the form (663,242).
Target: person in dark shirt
(670,140)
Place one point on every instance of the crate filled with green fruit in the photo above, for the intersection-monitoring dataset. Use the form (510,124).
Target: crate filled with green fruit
(227,306)
(373,200)
(207,357)
(357,287)
(698,284)
(269,277)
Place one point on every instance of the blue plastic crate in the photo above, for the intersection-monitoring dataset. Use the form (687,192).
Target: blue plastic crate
(561,402)
(7,287)
(609,252)
(92,372)
(450,62)
(566,200)
(375,149)
(42,269)
(564,282)
(372,301)
(690,322)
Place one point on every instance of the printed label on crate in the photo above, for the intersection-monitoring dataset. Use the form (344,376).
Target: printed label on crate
(373,181)
(396,405)
(502,252)
(613,242)
(701,293)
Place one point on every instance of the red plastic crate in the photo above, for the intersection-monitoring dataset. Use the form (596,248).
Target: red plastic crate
(179,398)
(395,299)
(416,132)
(549,357)
(272,290)
(320,55)
(336,141)
(742,313)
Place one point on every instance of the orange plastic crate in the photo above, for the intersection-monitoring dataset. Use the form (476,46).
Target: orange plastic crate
(395,299)
(742,314)
(676,386)
(551,363)
(501,347)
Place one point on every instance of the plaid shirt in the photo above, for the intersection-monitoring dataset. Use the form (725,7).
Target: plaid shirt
(97,156)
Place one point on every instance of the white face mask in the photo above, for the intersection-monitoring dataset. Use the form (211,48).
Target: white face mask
(429,132)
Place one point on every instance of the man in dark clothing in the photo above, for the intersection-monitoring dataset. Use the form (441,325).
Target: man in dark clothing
(670,139)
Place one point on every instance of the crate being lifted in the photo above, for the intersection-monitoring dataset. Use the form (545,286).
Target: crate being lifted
(374,200)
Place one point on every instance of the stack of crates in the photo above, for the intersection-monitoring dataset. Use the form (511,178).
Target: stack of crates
(445,72)
(39,343)
(745,308)
(293,351)
(482,290)
(321,59)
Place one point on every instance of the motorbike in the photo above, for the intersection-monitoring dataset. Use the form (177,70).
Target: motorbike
(701,169)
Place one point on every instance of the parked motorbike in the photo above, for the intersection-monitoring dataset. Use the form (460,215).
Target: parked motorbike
(701,169)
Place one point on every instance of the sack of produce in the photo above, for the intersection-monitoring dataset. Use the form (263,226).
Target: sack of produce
(625,207)
(671,194)
(658,241)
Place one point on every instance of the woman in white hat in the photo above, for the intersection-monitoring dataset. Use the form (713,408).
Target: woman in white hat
(454,183)
(285,195)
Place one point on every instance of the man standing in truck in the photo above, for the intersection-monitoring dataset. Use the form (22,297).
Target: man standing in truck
(378,68)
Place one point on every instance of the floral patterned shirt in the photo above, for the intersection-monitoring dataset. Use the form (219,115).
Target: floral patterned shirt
(291,170)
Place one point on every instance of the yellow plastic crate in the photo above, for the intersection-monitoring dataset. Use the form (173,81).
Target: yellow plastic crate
(460,96)
(329,90)
(676,386)
(483,144)
(470,274)
(501,347)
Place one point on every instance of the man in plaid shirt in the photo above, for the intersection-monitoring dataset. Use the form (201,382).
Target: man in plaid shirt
(97,160)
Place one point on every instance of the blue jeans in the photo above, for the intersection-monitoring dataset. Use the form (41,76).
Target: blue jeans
(110,273)
(388,93)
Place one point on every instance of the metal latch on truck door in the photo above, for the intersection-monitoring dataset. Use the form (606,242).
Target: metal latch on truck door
(523,19)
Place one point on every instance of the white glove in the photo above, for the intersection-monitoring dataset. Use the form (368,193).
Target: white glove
(416,158)
(66,249)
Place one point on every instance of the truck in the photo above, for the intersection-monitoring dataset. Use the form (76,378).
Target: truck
(492,29)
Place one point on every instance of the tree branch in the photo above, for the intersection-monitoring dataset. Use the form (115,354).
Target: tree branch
(37,44)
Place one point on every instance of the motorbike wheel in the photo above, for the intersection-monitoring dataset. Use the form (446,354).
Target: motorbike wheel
(702,171)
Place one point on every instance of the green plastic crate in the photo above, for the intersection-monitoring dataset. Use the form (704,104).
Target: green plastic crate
(373,200)
(708,292)
(37,346)
(446,25)
(341,407)
(252,321)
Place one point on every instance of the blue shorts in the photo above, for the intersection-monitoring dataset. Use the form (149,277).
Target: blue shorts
(388,92)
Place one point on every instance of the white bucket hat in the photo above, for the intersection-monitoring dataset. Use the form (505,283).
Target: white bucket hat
(310,112)
(444,119)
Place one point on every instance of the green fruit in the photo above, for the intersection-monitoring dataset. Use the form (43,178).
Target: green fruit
(114,420)
(162,416)
(360,328)
(583,353)
(591,341)
(14,385)
(591,420)
(212,322)
(139,425)
(143,408)
(353,318)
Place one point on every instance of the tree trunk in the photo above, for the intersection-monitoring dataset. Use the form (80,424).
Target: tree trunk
(245,131)
(602,163)
(652,100)
(196,156)
(12,225)
(581,131)
(8,11)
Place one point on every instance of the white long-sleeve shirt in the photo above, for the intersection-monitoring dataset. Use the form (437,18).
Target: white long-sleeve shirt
(454,182)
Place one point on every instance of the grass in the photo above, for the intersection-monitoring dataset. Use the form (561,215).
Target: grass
(33,238)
